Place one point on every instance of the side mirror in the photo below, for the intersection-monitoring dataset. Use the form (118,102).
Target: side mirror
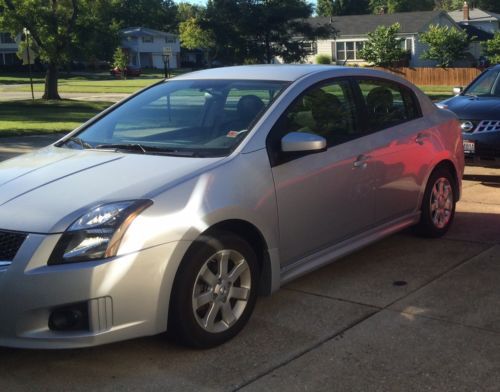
(457,90)
(302,142)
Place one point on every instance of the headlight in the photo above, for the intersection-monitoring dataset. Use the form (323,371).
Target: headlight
(98,233)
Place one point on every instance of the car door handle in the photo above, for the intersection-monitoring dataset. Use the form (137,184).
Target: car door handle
(361,161)
(421,138)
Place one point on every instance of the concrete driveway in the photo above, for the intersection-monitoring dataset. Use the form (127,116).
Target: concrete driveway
(405,314)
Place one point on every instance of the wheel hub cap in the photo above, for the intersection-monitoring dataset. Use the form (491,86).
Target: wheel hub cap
(221,291)
(441,202)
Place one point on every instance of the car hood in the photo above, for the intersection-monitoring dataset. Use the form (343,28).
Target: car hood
(45,191)
(470,108)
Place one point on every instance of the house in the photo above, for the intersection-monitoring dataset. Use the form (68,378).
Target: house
(147,48)
(480,26)
(469,16)
(8,50)
(352,32)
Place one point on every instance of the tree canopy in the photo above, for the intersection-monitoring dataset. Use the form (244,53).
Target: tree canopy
(492,49)
(52,28)
(445,45)
(383,47)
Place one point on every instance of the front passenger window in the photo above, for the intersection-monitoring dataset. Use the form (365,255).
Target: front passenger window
(326,110)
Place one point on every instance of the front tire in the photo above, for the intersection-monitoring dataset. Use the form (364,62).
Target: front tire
(438,204)
(215,291)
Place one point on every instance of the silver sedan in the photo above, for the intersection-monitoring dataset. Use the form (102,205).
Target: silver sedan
(173,209)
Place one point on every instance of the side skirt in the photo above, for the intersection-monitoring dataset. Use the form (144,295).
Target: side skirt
(337,251)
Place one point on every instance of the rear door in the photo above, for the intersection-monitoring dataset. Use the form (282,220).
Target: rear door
(401,143)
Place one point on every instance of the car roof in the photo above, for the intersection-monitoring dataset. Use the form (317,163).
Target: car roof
(282,72)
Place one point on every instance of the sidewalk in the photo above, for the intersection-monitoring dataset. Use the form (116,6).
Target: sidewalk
(17,96)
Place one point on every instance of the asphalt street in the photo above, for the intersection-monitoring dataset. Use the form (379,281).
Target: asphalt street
(405,314)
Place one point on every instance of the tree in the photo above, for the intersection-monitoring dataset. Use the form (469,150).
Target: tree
(96,32)
(383,47)
(351,7)
(257,31)
(448,5)
(193,36)
(120,61)
(391,6)
(488,5)
(325,7)
(51,25)
(445,45)
(492,49)
(155,14)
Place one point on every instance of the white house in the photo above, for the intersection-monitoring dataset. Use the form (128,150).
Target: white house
(146,47)
(352,32)
(8,50)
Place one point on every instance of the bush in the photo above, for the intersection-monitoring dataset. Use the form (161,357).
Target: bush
(323,59)
(492,49)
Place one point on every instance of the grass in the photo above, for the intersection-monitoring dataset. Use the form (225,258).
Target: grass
(83,83)
(27,117)
(438,93)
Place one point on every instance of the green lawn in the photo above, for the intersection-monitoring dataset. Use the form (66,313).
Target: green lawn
(27,117)
(438,93)
(88,83)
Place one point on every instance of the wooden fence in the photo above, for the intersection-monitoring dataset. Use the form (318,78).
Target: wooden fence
(436,76)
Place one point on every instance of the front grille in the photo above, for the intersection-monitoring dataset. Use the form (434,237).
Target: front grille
(10,242)
(488,126)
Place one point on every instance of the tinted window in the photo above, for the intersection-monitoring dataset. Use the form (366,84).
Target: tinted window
(327,110)
(387,103)
(487,85)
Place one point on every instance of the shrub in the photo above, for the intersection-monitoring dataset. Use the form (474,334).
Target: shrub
(323,59)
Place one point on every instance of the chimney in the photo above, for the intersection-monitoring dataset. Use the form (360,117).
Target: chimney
(466,11)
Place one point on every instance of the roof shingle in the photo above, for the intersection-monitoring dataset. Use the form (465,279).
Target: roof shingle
(353,25)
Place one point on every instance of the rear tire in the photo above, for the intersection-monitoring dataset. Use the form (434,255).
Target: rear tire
(214,292)
(438,204)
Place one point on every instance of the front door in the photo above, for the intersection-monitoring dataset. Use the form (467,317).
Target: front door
(323,197)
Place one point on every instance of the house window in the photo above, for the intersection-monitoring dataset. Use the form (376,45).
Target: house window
(147,39)
(349,50)
(407,44)
(170,40)
(310,47)
(5,38)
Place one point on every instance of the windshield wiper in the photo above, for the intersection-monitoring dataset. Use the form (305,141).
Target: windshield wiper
(143,149)
(124,146)
(470,95)
(79,141)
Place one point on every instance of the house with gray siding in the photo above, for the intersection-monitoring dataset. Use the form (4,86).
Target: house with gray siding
(145,47)
(352,32)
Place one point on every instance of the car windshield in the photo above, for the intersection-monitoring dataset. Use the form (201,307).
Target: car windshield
(487,85)
(201,118)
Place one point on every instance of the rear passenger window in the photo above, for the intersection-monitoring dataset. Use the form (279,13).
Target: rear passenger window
(387,103)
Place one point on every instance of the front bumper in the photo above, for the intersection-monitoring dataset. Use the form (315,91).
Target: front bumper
(486,140)
(126,296)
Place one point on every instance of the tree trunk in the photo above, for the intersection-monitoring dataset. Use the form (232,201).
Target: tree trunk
(51,82)
(267,43)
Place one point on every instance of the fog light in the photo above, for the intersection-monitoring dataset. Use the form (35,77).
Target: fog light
(71,318)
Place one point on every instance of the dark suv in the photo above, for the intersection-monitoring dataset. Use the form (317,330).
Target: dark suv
(478,107)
